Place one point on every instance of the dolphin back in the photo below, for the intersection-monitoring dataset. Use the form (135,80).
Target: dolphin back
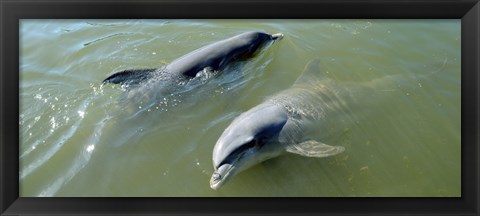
(217,55)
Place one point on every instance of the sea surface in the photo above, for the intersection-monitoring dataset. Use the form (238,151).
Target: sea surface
(81,139)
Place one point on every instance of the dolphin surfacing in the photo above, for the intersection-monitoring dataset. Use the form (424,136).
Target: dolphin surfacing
(276,126)
(213,57)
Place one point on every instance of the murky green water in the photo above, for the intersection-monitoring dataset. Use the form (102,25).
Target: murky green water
(77,139)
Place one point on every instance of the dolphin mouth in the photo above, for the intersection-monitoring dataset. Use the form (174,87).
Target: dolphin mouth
(277,36)
(222,175)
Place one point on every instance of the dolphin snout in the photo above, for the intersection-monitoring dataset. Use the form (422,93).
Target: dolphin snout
(215,181)
(277,36)
(221,175)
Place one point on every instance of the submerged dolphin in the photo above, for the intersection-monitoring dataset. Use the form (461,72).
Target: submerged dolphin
(213,57)
(276,126)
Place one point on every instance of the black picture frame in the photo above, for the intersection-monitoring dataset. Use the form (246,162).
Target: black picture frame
(13,10)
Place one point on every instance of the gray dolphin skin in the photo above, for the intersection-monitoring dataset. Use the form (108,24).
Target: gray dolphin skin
(278,125)
(213,57)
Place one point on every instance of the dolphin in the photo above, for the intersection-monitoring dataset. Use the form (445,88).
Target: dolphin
(145,87)
(213,57)
(278,125)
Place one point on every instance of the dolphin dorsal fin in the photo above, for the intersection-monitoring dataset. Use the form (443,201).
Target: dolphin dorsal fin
(311,72)
(312,148)
(131,76)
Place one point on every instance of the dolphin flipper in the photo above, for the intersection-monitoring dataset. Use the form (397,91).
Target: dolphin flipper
(132,76)
(312,148)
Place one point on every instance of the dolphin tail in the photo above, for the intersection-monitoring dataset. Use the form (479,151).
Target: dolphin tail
(403,83)
(132,76)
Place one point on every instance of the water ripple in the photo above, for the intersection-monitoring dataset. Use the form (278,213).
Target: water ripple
(105,38)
